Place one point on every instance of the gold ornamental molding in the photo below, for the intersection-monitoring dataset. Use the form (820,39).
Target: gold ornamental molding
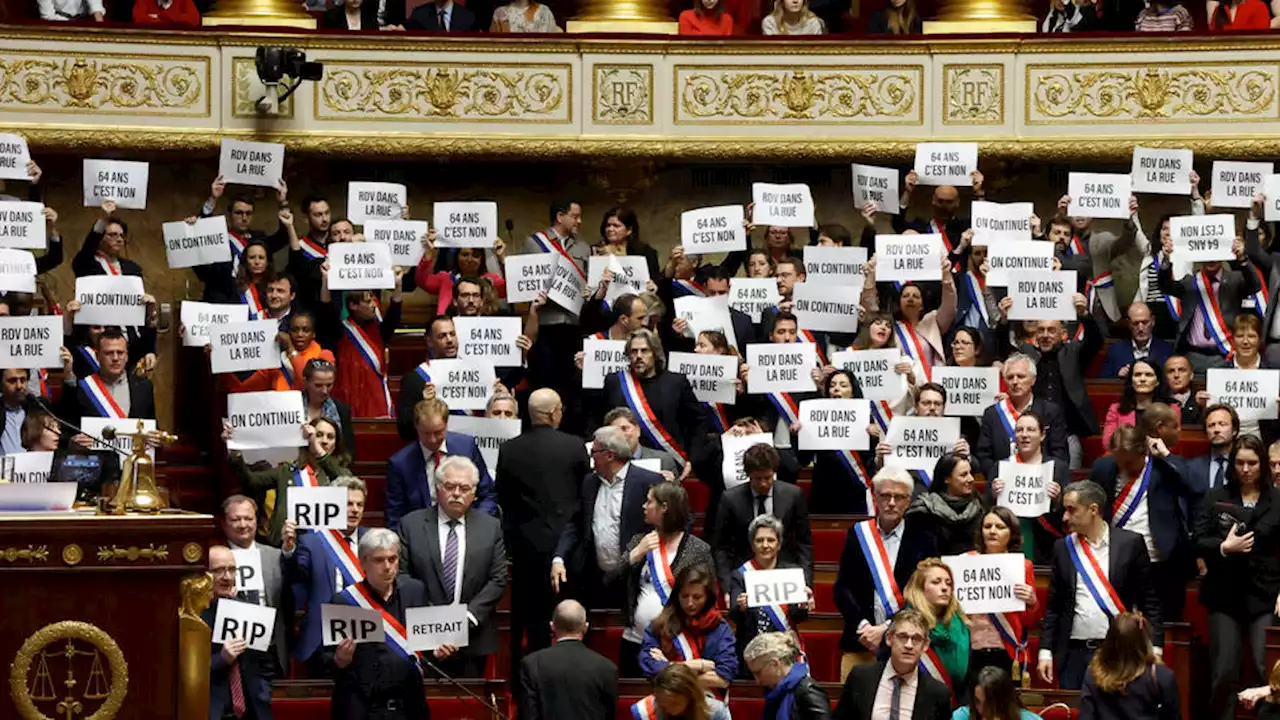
(246,88)
(973,94)
(193,552)
(105,83)
(72,554)
(80,672)
(622,94)
(786,95)
(30,554)
(154,553)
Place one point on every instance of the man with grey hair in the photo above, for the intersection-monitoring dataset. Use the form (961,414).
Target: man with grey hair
(458,553)
(610,511)
(568,681)
(995,436)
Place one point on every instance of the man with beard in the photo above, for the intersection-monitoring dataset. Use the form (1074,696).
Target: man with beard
(1222,426)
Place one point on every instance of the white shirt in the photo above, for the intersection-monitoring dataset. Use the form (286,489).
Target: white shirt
(892,543)
(443,525)
(1090,623)
(428,457)
(884,694)
(11,440)
(447,9)
(68,9)
(1140,522)
(606,519)
(1143,352)
(768,501)
(119,391)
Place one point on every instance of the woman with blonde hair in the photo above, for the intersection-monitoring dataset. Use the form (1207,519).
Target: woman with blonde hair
(792,17)
(931,590)
(1124,680)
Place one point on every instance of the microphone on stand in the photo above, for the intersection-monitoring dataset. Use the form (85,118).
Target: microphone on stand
(488,705)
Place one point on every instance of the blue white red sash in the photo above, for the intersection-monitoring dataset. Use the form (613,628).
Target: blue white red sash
(90,357)
(343,557)
(887,592)
(687,649)
(1092,576)
(250,296)
(719,419)
(1263,296)
(633,395)
(1008,418)
(312,249)
(1013,635)
(1133,493)
(598,336)
(787,407)
(397,639)
(42,377)
(1075,246)
(1174,304)
(853,464)
(940,229)
(976,285)
(664,581)
(881,414)
(646,709)
(1091,288)
(366,347)
(549,243)
(286,367)
(776,612)
(101,398)
(424,372)
(913,347)
(686,288)
(806,336)
(1214,321)
(305,477)
(932,664)
(108,265)
(238,245)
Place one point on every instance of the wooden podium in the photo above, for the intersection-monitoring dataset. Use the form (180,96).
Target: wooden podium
(96,615)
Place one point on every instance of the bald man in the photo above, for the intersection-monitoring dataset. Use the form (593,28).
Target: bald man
(568,681)
(538,476)
(1141,345)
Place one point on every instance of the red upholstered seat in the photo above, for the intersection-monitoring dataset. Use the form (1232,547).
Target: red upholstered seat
(312,708)
(746,708)
(699,496)
(606,641)
(824,595)
(827,545)
(1057,712)
(822,648)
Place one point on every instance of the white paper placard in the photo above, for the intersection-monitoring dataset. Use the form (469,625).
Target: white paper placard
(782,205)
(248,569)
(1039,295)
(1098,195)
(376,201)
(1235,183)
(1005,260)
(95,426)
(14,156)
(430,627)
(244,162)
(1202,238)
(984,583)
(360,266)
(266,419)
(30,341)
(841,265)
(528,275)
(318,508)
(780,367)
(203,242)
(1025,491)
(630,274)
(874,371)
(713,229)
(489,434)
(123,181)
(465,224)
(970,390)
(104,299)
(918,442)
(998,223)
(463,384)
(783,586)
(877,186)
(241,347)
(909,258)
(568,286)
(22,225)
(1252,393)
(33,466)
(17,271)
(199,319)
(946,163)
(752,296)
(711,376)
(1163,172)
(235,620)
(491,339)
(402,237)
(835,424)
(1271,189)
(346,622)
(706,314)
(37,497)
(733,448)
(826,307)
(600,359)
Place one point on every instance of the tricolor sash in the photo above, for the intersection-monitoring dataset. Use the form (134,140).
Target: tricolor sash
(366,347)
(1214,321)
(932,664)
(633,395)
(787,407)
(976,285)
(776,612)
(305,477)
(719,419)
(687,648)
(549,243)
(101,398)
(664,581)
(913,347)
(1075,246)
(1134,492)
(250,296)
(1263,296)
(1009,420)
(424,372)
(1013,635)
(397,639)
(1092,576)
(1174,304)
(108,265)
(286,367)
(646,709)
(809,338)
(90,357)
(42,376)
(312,249)
(685,288)
(344,559)
(881,414)
(853,464)
(598,336)
(887,592)
(941,230)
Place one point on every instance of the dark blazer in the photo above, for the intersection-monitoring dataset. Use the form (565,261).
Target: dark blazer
(1239,281)
(255,676)
(1198,472)
(1269,263)
(1170,490)
(412,385)
(673,403)
(219,279)
(854,589)
(484,569)
(142,399)
(737,510)
(1129,571)
(1074,357)
(335,18)
(1120,355)
(408,488)
(1153,696)
(426,17)
(1241,584)
(312,572)
(577,545)
(568,681)
(377,673)
(933,699)
(811,703)
(85,262)
(994,441)
(539,475)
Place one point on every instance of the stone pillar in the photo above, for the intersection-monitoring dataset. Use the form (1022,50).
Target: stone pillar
(981,17)
(260,13)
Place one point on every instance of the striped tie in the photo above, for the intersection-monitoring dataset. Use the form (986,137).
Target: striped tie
(451,560)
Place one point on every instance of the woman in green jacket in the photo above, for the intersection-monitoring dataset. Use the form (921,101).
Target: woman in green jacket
(931,590)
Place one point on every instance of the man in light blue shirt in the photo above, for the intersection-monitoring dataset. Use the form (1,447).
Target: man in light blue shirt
(13,391)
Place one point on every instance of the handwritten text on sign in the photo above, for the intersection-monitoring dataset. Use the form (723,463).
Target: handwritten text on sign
(318,508)
(528,275)
(785,586)
(198,319)
(375,201)
(1252,393)
(783,205)
(876,186)
(30,341)
(874,372)
(251,623)
(123,181)
(344,622)
(1098,195)
(1004,260)
(970,390)
(1040,295)
(1235,183)
(1203,238)
(1026,487)
(266,419)
(430,627)
(245,162)
(14,156)
(403,237)
(780,367)
(1165,172)
(465,224)
(752,296)
(946,163)
(22,225)
(492,339)
(463,384)
(203,242)
(918,442)
(908,257)
(836,424)
(110,300)
(984,583)
(713,230)
(240,347)
(360,266)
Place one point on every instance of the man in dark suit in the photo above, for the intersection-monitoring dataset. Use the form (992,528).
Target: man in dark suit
(611,501)
(1141,344)
(442,16)
(568,681)
(1230,286)
(995,440)
(457,552)
(233,661)
(896,689)
(412,471)
(113,391)
(539,474)
(761,495)
(1075,621)
(626,421)
(1179,374)
(18,403)
(1222,427)
(100,253)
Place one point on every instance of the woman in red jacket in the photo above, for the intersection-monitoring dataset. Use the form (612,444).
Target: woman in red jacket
(166,12)
(706,18)
(1000,639)
(1239,15)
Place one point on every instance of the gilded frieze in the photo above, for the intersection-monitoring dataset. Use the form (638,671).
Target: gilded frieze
(104,83)
(973,94)
(796,95)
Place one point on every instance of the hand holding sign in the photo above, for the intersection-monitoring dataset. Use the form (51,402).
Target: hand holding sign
(713,229)
(375,201)
(318,508)
(23,225)
(345,622)
(465,224)
(251,163)
(945,163)
(1235,183)
(876,186)
(252,624)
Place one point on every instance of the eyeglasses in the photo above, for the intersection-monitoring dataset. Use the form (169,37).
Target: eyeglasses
(221,571)
(894,497)
(909,638)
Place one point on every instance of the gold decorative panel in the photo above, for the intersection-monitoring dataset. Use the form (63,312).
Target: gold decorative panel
(446,92)
(1163,93)
(104,83)
(799,95)
(70,669)
(622,94)
(973,94)
(247,89)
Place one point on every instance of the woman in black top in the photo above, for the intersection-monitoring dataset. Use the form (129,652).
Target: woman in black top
(954,511)
(1124,681)
(766,534)
(841,480)
(1238,535)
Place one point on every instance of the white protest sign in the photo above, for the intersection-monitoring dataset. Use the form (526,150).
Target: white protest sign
(376,201)
(492,339)
(826,307)
(1271,189)
(106,299)
(835,424)
(1098,195)
(782,205)
(489,434)
(984,583)
(346,622)
(38,496)
(22,225)
(32,466)
(360,266)
(1235,183)
(430,627)
(876,186)
(403,237)
(752,296)
(1163,172)
(1202,238)
(946,163)
(918,442)
(998,223)
(463,384)
(874,371)
(842,265)
(266,419)
(1025,487)
(909,258)
(18,272)
(30,341)
(970,390)
(705,314)
(713,229)
(241,347)
(1005,259)
(95,426)
(244,162)
(733,448)
(203,242)
(248,569)
(1252,393)
(123,181)
(14,156)
(780,367)
(600,359)
(630,274)
(711,376)
(1040,295)
(318,508)
(251,623)
(568,286)
(465,224)
(528,275)
(783,586)
(199,319)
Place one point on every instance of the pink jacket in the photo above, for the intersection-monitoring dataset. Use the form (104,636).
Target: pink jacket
(1115,420)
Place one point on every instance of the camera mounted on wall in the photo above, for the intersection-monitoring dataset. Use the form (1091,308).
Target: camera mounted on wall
(276,65)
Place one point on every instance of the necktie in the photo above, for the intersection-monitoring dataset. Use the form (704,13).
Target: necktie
(895,702)
(237,690)
(760,510)
(253,597)
(444,21)
(1220,476)
(451,560)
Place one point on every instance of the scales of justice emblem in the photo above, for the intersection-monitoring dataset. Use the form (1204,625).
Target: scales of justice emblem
(73,669)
